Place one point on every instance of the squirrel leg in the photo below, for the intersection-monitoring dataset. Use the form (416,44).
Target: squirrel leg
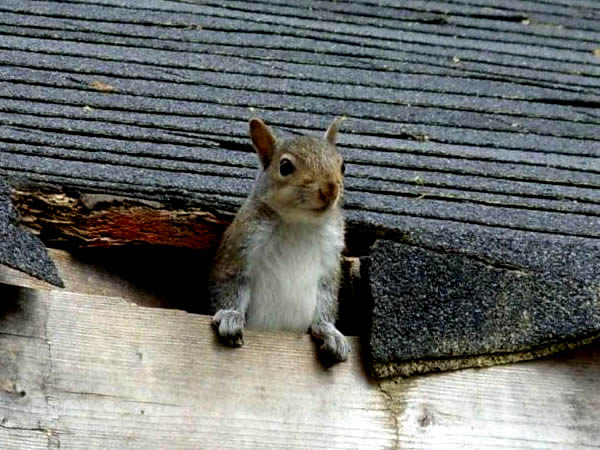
(231,301)
(229,325)
(334,343)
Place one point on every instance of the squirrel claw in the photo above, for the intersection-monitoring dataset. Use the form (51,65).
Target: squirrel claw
(337,349)
(229,325)
(335,345)
(234,342)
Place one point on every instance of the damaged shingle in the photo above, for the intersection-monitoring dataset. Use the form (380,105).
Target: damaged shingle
(450,301)
(20,249)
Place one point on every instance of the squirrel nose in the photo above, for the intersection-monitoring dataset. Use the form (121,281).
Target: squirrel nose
(328,192)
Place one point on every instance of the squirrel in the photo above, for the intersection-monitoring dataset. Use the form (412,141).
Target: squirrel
(278,266)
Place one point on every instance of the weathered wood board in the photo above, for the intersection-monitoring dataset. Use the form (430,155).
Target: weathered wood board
(80,371)
(551,403)
(99,372)
(464,116)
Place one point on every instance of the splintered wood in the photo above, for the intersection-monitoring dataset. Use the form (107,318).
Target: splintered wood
(96,220)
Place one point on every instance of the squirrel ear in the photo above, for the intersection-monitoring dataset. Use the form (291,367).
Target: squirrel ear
(263,140)
(332,130)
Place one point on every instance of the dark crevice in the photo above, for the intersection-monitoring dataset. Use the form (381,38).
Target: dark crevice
(355,299)
(121,398)
(516,18)
(579,103)
(26,336)
(4,425)
(359,243)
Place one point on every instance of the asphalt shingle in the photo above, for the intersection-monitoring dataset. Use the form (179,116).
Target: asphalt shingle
(21,250)
(461,299)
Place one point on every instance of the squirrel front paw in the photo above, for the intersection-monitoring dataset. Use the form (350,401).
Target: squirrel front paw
(335,345)
(229,325)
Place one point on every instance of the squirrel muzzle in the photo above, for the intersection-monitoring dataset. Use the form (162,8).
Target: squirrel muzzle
(328,194)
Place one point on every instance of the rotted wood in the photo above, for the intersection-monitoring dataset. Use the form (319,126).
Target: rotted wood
(100,220)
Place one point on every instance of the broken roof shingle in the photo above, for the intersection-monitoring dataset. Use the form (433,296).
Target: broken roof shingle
(449,300)
(21,250)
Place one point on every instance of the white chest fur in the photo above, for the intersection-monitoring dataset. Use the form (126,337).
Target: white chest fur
(285,266)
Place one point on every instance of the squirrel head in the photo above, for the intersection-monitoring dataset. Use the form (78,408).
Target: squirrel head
(301,179)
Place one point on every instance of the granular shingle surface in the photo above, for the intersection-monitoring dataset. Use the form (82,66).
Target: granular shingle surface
(458,112)
(20,249)
(448,301)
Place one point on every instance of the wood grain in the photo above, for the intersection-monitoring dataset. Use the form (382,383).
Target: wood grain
(552,403)
(88,371)
(123,376)
(102,372)
(19,439)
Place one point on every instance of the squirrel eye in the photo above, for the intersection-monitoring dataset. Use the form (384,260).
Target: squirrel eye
(343,168)
(286,167)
